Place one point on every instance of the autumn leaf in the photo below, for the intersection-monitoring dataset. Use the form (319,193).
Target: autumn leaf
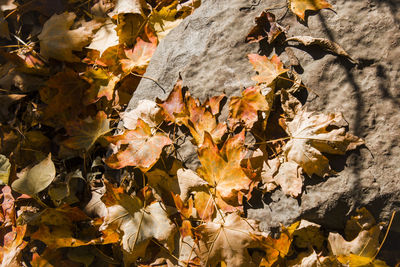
(139,148)
(299,7)
(101,83)
(222,170)
(5,167)
(268,69)
(13,244)
(58,41)
(137,223)
(35,179)
(266,27)
(313,134)
(245,109)
(4,31)
(201,119)
(104,38)
(289,178)
(127,7)
(128,28)
(8,213)
(165,19)
(174,104)
(146,110)
(84,133)
(139,56)
(226,240)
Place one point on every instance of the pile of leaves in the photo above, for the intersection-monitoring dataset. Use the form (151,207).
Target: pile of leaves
(86,184)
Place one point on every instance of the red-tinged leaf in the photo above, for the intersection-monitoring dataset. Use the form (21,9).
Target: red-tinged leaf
(222,170)
(139,56)
(84,133)
(174,104)
(13,244)
(138,148)
(268,69)
(266,27)
(245,109)
(7,206)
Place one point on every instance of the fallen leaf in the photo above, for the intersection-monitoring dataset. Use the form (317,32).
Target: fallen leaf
(189,181)
(268,69)
(245,109)
(136,223)
(139,56)
(313,134)
(8,213)
(165,19)
(200,120)
(290,105)
(7,5)
(128,28)
(139,148)
(4,31)
(35,179)
(325,44)
(101,83)
(104,38)
(7,101)
(222,170)
(174,104)
(127,7)
(299,7)
(289,178)
(204,205)
(146,110)
(84,133)
(5,167)
(13,244)
(266,27)
(58,41)
(226,240)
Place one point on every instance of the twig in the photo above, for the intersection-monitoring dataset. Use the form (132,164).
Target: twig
(151,79)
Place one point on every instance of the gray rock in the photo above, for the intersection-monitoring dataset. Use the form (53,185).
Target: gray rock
(208,49)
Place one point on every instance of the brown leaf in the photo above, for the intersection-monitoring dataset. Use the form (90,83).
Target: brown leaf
(245,109)
(325,44)
(266,27)
(84,133)
(268,69)
(146,110)
(139,148)
(127,7)
(58,41)
(289,178)
(299,7)
(313,134)
(226,240)
(174,104)
(13,244)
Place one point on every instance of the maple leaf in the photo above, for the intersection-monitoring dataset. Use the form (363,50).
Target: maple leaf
(289,178)
(174,104)
(266,27)
(7,214)
(222,170)
(299,7)
(139,56)
(136,223)
(201,119)
(226,240)
(314,134)
(139,148)
(164,20)
(84,133)
(104,38)
(35,179)
(268,69)
(58,41)
(13,244)
(245,109)
(5,168)
(146,110)
(129,27)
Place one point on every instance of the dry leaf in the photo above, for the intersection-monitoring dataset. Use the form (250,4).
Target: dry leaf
(7,5)
(104,38)
(266,27)
(245,109)
(33,180)
(174,104)
(139,148)
(299,7)
(313,134)
(101,83)
(268,69)
(325,44)
(226,240)
(146,110)
(136,223)
(58,41)
(127,7)
(4,31)
(5,167)
(12,246)
(222,170)
(290,179)
(189,181)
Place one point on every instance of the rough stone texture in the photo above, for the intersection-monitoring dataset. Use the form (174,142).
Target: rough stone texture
(208,49)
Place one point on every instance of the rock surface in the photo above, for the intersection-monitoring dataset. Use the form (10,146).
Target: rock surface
(208,49)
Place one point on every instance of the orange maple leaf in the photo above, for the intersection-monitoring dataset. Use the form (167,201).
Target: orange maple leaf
(268,69)
(139,148)
(174,104)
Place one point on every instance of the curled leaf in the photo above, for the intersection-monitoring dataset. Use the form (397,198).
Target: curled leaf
(266,27)
(33,180)
(299,7)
